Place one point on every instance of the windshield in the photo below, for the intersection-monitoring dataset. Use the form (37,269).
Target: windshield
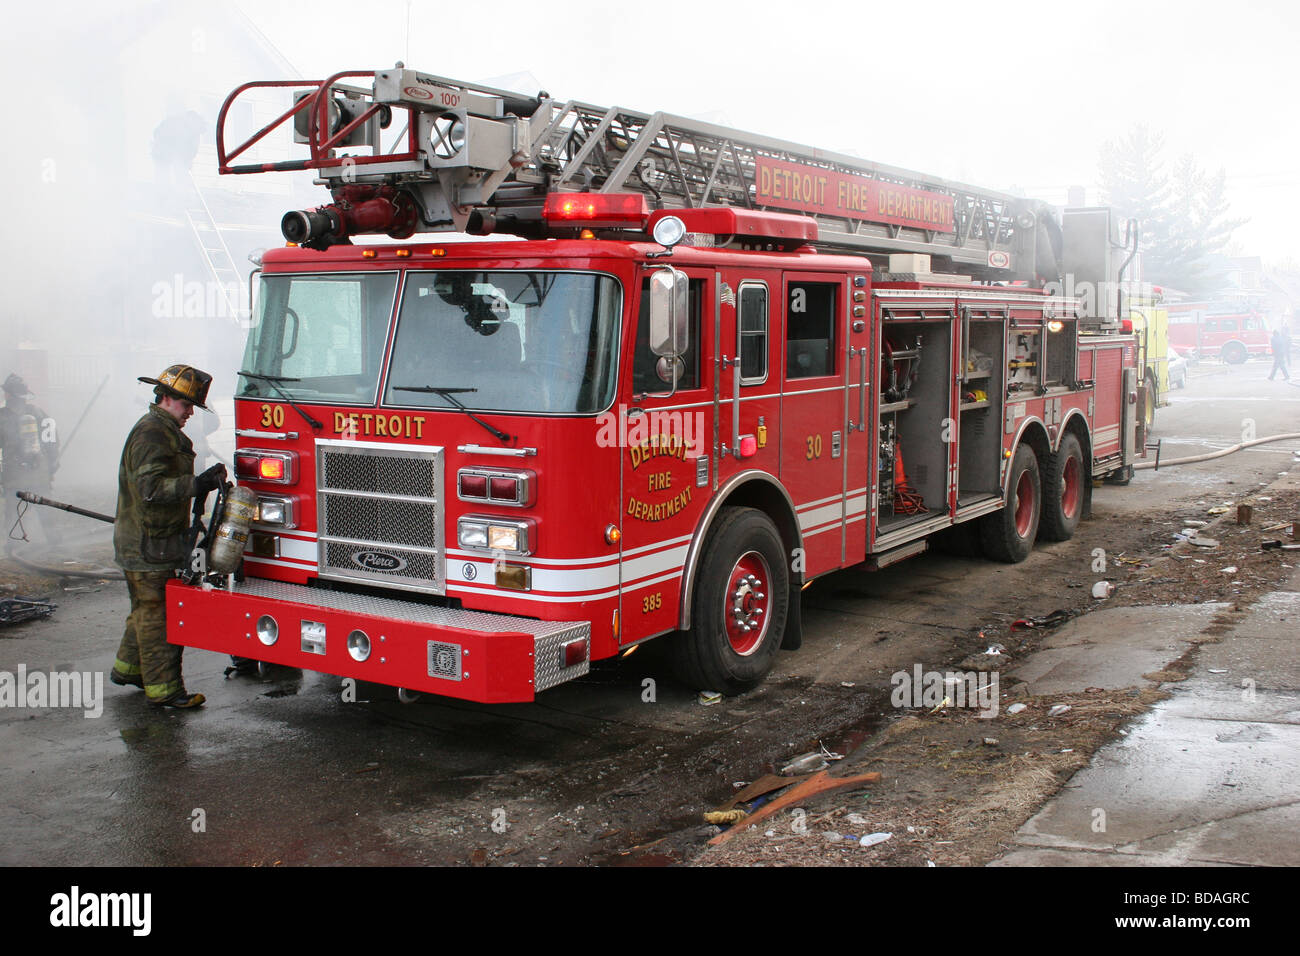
(320,337)
(542,342)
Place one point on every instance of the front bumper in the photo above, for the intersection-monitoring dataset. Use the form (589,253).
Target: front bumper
(472,655)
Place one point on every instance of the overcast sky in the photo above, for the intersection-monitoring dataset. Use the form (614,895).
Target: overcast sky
(1009,95)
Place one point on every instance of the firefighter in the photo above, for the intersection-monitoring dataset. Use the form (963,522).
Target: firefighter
(29,453)
(154,486)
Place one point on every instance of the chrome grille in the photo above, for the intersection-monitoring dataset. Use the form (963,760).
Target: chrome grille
(380,514)
(380,519)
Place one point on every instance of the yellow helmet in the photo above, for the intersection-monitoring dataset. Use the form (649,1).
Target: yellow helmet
(184,382)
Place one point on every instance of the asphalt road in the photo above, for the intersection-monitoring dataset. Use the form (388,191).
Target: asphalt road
(283,772)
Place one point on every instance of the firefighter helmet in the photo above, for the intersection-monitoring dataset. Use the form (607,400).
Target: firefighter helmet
(184,382)
(14,385)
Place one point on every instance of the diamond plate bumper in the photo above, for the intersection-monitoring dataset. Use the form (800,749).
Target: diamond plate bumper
(472,655)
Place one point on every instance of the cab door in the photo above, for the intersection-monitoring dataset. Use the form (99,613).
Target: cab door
(820,457)
(667,440)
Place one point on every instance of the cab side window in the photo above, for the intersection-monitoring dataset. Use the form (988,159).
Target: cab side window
(810,329)
(752,333)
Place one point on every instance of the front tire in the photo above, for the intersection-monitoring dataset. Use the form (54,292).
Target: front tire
(1234,353)
(740,605)
(1008,535)
(1063,492)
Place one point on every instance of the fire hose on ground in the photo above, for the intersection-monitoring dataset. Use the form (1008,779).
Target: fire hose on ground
(1209,456)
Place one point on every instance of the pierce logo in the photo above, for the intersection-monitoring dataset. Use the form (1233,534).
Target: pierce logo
(378,561)
(417,93)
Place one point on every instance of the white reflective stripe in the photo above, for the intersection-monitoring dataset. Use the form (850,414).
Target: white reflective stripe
(571,580)
(610,560)
(280,564)
(295,549)
(543,598)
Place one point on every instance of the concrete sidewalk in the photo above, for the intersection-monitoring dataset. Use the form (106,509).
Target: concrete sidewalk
(1210,776)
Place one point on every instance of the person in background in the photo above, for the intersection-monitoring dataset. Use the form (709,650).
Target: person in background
(1281,344)
(29,455)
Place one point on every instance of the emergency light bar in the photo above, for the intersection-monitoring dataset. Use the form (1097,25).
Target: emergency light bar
(596,210)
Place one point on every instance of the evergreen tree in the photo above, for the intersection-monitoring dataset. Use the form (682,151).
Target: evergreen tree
(1183,214)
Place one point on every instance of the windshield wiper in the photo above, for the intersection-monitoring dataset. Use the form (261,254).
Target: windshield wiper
(273,381)
(447,393)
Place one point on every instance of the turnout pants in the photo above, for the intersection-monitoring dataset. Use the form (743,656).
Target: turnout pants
(144,651)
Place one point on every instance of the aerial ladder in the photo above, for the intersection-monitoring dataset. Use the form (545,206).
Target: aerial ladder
(474,159)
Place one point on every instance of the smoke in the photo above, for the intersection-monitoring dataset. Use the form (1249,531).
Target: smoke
(133,252)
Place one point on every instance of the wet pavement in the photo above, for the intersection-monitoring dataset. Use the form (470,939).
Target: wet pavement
(284,771)
(1207,777)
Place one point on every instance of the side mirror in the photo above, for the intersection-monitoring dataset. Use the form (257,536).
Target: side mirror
(669,313)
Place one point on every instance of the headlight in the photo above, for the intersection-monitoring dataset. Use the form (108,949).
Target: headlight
(275,511)
(472,535)
(497,534)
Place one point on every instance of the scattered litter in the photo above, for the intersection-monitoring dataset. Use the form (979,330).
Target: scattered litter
(1230,569)
(1047,620)
(1277,527)
(857,819)
(1205,542)
(1068,750)
(946,702)
(1278,546)
(1103,589)
(709,697)
(1218,670)
(929,862)
(911,829)
(83,588)
(848,683)
(1016,708)
(770,833)
(1195,524)
(1217,511)
(1265,497)
(1187,533)
(1058,710)
(830,836)
(722,817)
(990,741)
(871,839)
(1199,560)
(740,784)
(806,763)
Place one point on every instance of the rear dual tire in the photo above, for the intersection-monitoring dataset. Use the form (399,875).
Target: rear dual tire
(1063,491)
(1008,534)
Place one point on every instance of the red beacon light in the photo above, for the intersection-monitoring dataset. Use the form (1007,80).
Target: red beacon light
(596,210)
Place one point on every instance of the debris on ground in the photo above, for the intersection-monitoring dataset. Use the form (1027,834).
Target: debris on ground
(709,697)
(871,839)
(15,610)
(1058,710)
(1054,619)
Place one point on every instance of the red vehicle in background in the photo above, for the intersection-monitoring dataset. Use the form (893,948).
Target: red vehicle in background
(1230,336)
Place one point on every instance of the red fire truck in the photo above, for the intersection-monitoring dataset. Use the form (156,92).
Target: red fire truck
(696,370)
(1229,336)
